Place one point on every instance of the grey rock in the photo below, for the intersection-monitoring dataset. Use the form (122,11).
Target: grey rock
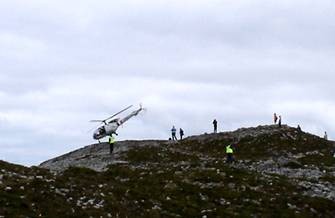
(96,156)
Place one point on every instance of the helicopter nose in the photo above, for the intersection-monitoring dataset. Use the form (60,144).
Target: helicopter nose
(95,136)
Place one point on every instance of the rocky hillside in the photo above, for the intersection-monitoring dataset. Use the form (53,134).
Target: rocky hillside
(96,156)
(277,173)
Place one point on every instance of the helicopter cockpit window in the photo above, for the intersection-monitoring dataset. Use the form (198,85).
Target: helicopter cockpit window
(101,131)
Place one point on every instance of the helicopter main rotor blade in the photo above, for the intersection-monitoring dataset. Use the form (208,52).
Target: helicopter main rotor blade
(95,127)
(118,113)
(97,121)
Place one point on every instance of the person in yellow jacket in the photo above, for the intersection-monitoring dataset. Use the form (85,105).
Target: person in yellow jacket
(229,152)
(111,141)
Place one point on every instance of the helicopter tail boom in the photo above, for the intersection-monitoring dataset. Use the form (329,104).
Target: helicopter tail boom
(134,113)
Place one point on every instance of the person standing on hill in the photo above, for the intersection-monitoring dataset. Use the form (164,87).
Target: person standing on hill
(229,152)
(215,124)
(325,136)
(299,132)
(181,133)
(173,132)
(111,142)
(299,128)
(275,118)
(279,121)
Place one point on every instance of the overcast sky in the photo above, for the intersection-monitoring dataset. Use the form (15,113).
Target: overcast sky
(64,63)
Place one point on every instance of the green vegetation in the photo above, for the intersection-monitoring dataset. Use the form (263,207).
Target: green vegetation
(318,160)
(185,179)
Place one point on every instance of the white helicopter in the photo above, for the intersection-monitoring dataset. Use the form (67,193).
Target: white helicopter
(109,128)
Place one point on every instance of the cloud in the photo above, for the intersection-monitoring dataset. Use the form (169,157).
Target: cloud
(188,62)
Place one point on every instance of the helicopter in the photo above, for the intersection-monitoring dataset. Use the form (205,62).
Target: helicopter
(111,125)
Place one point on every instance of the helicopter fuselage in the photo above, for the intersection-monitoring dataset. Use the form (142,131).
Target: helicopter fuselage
(106,130)
(111,126)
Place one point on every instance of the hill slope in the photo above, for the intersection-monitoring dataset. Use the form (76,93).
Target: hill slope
(95,156)
(278,173)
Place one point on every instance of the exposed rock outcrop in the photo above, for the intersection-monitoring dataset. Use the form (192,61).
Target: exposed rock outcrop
(95,156)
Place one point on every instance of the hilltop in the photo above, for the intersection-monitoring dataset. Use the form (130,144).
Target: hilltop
(279,172)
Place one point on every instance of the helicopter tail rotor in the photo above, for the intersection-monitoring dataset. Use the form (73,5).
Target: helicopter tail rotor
(142,108)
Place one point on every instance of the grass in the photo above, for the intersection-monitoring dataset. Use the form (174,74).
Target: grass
(160,192)
(186,179)
(318,160)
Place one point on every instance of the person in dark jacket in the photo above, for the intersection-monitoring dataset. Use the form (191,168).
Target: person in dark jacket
(299,128)
(181,133)
(215,125)
(275,118)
